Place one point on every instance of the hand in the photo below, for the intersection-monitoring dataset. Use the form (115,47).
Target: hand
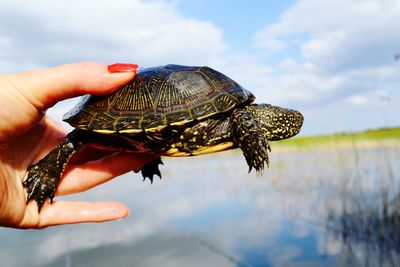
(27,135)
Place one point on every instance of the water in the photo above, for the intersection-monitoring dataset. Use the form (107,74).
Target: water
(320,208)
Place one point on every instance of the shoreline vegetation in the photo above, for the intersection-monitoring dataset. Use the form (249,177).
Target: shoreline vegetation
(385,137)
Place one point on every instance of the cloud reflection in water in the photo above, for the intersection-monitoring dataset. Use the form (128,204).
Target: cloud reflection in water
(309,208)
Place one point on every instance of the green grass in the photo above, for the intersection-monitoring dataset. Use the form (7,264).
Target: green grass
(343,139)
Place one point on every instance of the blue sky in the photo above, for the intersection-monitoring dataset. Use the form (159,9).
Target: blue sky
(333,60)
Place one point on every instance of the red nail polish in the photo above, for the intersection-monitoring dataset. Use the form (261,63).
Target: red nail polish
(122,67)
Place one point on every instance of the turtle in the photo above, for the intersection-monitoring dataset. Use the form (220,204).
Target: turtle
(170,110)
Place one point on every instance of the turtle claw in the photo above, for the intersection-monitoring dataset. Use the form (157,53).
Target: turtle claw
(43,177)
(256,154)
(151,169)
(40,185)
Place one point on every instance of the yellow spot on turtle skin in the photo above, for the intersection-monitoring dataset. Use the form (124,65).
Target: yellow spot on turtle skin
(182,137)
(195,132)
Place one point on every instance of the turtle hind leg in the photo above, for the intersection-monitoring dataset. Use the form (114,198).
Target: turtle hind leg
(151,169)
(250,138)
(43,177)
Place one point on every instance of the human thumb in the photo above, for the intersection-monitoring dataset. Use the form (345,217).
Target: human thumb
(24,97)
(44,88)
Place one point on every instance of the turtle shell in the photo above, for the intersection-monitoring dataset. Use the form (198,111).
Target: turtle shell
(158,97)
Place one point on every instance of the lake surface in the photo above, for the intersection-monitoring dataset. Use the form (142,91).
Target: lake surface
(319,208)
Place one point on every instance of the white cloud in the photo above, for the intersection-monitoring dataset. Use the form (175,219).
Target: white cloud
(357,100)
(262,40)
(344,48)
(337,34)
(48,32)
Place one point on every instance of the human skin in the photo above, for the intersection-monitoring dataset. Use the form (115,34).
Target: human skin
(27,134)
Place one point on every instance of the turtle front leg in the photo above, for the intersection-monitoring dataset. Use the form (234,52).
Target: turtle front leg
(250,138)
(43,177)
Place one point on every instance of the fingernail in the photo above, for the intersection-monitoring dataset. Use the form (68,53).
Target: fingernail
(122,67)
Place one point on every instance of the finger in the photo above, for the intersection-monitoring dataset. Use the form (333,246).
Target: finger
(82,177)
(70,212)
(46,87)
(90,153)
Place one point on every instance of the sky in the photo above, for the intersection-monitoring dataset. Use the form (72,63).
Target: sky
(333,60)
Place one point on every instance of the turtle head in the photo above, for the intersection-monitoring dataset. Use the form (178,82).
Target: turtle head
(278,123)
